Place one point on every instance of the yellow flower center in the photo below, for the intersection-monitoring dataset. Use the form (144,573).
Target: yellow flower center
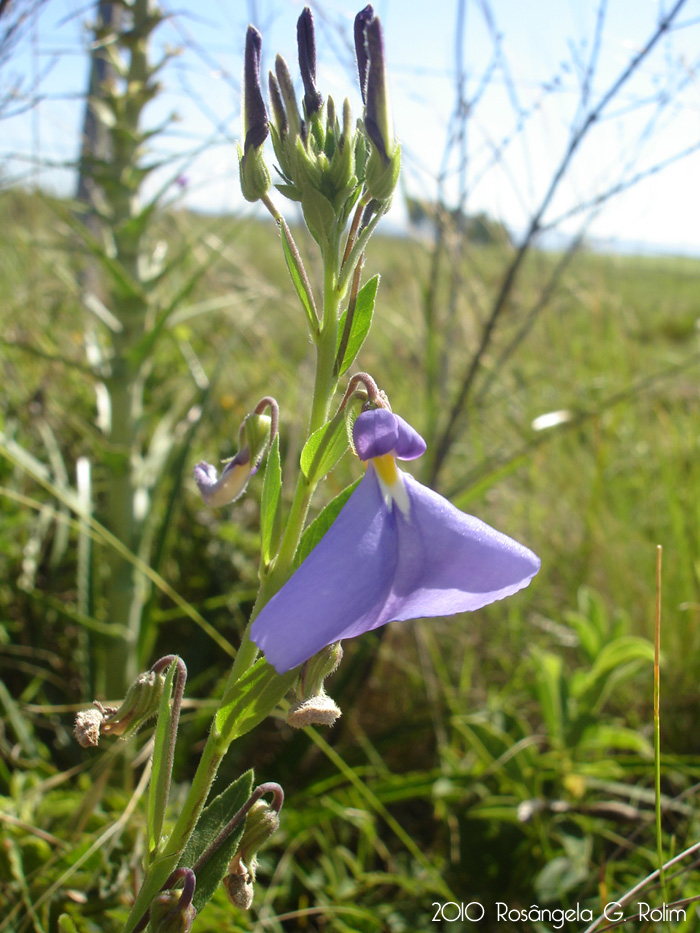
(386,469)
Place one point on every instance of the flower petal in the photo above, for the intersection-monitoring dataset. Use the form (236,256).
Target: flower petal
(339,586)
(230,485)
(409,445)
(377,564)
(449,561)
(379,431)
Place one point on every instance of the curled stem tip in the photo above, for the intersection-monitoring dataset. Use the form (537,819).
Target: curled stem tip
(374,394)
(269,402)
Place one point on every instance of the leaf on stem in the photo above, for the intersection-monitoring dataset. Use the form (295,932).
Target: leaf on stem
(324,448)
(298,276)
(360,324)
(213,820)
(250,699)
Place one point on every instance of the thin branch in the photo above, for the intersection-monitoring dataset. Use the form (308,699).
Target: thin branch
(445,440)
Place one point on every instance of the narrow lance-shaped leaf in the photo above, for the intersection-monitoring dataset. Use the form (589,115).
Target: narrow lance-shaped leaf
(298,276)
(359,326)
(250,699)
(214,818)
(324,448)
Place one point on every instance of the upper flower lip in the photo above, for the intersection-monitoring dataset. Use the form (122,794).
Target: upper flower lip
(380,431)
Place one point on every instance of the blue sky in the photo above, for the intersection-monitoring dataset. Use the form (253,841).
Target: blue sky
(519,123)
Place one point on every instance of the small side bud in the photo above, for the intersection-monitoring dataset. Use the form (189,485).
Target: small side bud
(262,820)
(257,429)
(279,114)
(286,86)
(140,704)
(314,707)
(220,490)
(254,437)
(172,911)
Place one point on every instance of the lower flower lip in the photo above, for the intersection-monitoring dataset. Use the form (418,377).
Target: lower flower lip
(377,564)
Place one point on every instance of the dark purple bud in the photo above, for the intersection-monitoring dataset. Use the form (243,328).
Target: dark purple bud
(306,41)
(255,116)
(362,20)
(377,115)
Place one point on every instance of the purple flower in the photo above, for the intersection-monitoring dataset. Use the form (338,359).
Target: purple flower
(396,551)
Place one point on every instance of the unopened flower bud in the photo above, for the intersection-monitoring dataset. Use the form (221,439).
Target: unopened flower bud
(172,911)
(306,41)
(286,86)
(140,704)
(279,114)
(317,668)
(254,114)
(254,438)
(255,175)
(257,435)
(384,164)
(219,490)
(261,822)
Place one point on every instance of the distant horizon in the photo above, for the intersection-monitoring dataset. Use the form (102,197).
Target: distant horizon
(523,74)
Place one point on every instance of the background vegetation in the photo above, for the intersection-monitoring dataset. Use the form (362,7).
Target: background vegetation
(506,756)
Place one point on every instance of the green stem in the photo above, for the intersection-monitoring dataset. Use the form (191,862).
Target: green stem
(217,744)
(657,726)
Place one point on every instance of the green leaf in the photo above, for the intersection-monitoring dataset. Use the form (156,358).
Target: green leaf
(324,448)
(159,784)
(323,521)
(66,924)
(289,191)
(299,277)
(250,699)
(214,818)
(607,738)
(552,692)
(359,326)
(270,503)
(617,661)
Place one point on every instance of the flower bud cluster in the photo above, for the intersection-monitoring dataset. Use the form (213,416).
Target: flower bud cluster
(326,159)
